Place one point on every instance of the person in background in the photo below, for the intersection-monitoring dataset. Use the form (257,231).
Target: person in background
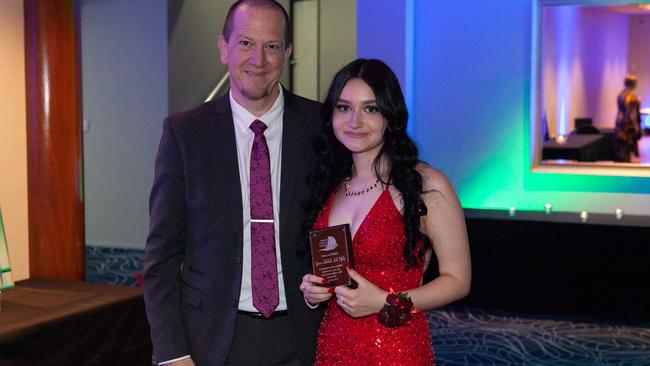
(221,263)
(627,130)
(401,212)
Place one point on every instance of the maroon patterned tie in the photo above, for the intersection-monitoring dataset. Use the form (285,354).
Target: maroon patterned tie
(264,273)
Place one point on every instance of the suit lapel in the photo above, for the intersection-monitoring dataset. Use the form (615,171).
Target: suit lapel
(291,149)
(228,165)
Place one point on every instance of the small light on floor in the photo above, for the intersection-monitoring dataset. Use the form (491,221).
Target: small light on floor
(512,211)
(619,214)
(548,208)
(584,216)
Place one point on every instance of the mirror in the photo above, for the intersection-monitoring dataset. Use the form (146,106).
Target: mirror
(582,53)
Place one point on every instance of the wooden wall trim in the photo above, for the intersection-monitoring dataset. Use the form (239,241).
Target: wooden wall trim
(54,139)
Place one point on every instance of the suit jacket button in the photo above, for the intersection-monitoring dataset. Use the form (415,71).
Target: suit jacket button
(234,304)
(239,259)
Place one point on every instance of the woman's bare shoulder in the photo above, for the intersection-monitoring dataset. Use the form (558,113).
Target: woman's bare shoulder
(433,180)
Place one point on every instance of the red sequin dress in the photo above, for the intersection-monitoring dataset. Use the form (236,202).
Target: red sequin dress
(377,249)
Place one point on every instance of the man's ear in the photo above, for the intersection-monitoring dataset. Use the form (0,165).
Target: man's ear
(223,50)
(287,55)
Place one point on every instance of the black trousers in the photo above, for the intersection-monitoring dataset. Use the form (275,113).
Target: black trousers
(262,342)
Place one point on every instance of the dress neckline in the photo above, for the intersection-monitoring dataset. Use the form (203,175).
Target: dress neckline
(365,218)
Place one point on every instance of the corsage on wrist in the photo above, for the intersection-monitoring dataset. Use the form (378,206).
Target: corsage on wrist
(397,310)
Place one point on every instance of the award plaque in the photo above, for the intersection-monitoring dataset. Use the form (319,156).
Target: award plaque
(331,252)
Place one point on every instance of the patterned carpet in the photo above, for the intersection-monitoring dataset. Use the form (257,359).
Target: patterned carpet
(114,266)
(468,336)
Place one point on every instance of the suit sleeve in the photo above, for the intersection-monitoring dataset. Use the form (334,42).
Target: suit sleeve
(165,249)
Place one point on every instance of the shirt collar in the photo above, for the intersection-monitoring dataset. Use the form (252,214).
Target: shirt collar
(244,118)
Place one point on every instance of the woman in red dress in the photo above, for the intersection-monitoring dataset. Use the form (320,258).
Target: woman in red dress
(401,212)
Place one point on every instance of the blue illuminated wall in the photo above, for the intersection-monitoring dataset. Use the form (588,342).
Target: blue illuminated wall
(381,25)
(471,104)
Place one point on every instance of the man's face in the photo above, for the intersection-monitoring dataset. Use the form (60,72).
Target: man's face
(255,53)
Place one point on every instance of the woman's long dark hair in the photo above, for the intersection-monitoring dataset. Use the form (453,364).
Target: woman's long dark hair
(399,151)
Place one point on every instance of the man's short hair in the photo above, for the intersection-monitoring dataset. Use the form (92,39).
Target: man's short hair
(630,81)
(263,4)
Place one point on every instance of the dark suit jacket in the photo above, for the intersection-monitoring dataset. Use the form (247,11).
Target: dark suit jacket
(193,256)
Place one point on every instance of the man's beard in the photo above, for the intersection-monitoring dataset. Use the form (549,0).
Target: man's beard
(255,93)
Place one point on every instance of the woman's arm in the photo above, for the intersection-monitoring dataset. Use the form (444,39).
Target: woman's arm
(444,225)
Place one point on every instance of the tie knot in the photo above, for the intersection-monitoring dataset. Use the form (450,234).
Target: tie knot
(258,127)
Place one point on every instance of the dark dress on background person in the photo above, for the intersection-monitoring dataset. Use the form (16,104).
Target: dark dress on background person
(378,256)
(627,131)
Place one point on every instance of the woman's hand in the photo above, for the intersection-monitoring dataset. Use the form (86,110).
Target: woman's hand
(312,291)
(366,299)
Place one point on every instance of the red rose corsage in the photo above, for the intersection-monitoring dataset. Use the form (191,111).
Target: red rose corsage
(397,310)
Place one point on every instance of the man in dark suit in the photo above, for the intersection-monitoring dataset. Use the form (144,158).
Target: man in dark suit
(211,298)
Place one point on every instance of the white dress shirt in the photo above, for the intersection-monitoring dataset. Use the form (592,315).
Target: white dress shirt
(244,136)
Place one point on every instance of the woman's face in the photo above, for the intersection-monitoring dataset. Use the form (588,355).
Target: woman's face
(356,120)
